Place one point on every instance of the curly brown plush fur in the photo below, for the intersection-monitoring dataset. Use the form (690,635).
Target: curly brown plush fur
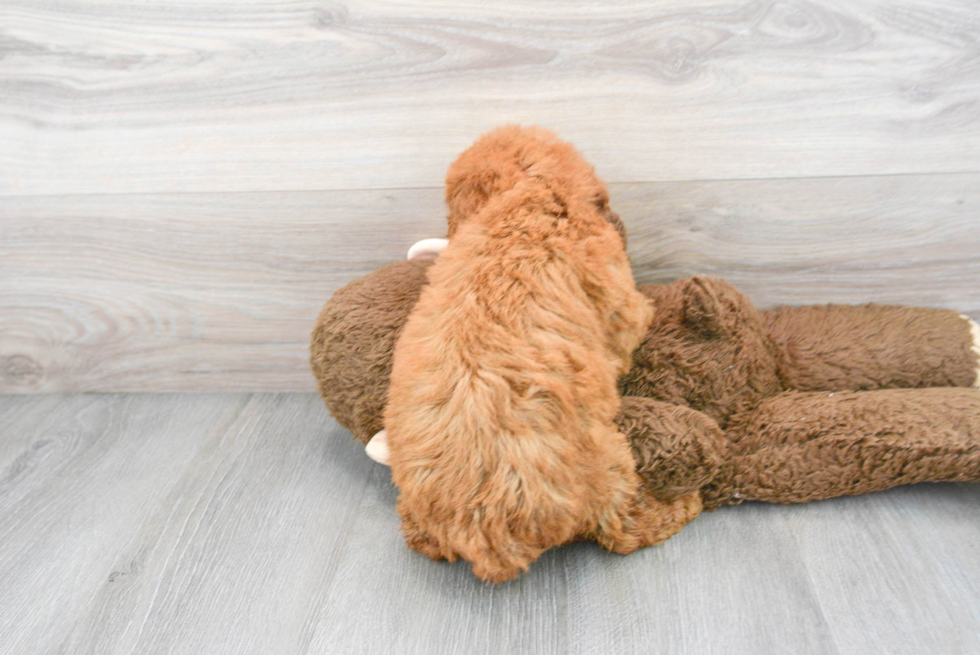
(503,393)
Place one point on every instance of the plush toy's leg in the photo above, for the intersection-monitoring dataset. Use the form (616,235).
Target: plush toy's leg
(798,447)
(840,347)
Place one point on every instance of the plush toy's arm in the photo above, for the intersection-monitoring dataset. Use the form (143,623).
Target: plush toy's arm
(840,347)
(798,447)
(677,449)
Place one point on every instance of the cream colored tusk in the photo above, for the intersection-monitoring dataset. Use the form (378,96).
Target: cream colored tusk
(975,334)
(427,248)
(377,448)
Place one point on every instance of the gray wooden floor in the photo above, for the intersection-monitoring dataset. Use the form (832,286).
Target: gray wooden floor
(232,523)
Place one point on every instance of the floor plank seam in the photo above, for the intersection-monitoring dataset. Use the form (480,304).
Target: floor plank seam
(811,586)
(434,188)
(339,557)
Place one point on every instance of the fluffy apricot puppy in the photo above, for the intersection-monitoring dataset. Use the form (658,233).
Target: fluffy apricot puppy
(503,386)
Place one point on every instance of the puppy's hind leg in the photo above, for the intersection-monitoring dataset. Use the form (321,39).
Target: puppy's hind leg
(655,521)
(417,538)
(635,519)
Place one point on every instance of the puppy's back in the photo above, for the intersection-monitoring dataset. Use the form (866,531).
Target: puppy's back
(503,389)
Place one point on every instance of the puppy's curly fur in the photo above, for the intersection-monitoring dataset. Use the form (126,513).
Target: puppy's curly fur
(503,388)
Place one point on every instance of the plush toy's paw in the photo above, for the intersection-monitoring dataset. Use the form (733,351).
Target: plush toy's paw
(427,248)
(975,333)
(677,449)
(377,448)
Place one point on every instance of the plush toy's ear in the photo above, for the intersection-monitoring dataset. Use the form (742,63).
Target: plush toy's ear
(616,222)
(715,309)
(703,310)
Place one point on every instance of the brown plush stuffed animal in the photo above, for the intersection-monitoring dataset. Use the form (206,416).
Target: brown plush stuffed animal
(723,400)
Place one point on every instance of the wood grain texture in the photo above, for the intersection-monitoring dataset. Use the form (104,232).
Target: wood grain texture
(161,523)
(169,95)
(866,560)
(75,494)
(220,291)
(731,582)
(239,555)
(228,523)
(912,240)
(204,292)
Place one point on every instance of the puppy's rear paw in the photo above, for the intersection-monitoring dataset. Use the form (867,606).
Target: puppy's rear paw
(654,522)
(495,571)
(493,557)
(417,539)
(498,557)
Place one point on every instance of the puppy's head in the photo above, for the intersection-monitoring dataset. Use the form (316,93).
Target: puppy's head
(502,158)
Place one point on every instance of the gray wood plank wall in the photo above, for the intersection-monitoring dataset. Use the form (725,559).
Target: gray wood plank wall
(183,185)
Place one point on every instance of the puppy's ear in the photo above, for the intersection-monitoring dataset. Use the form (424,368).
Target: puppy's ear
(463,200)
(601,201)
(617,223)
